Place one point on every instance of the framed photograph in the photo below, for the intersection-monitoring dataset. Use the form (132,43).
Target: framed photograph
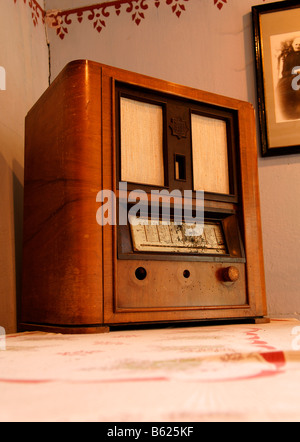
(277,50)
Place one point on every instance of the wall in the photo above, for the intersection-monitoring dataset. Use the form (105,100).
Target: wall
(211,49)
(194,49)
(24,55)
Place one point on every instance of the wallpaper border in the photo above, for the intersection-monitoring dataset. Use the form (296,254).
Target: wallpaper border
(97,13)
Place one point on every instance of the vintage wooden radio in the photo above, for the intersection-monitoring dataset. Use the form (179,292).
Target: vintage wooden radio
(100,132)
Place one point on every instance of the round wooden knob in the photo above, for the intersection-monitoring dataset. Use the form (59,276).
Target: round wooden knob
(231,274)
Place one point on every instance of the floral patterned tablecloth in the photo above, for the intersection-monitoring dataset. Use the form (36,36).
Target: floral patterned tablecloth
(228,372)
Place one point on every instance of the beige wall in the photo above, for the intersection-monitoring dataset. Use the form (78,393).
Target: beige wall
(209,49)
(24,55)
(206,48)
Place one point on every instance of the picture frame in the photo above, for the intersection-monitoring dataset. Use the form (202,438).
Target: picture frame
(276,29)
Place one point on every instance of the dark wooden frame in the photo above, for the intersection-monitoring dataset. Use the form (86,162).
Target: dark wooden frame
(257,12)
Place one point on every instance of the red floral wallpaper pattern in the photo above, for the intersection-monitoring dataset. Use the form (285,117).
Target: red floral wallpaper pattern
(37,12)
(99,12)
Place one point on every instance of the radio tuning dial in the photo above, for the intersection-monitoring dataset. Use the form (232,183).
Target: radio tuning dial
(231,274)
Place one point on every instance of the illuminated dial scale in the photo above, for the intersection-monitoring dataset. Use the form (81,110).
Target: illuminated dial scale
(169,237)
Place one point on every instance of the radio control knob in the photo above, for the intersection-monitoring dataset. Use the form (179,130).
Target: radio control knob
(231,274)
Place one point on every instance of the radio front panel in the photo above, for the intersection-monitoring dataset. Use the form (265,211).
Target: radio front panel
(112,233)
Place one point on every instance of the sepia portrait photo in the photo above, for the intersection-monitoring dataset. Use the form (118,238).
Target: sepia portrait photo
(276,29)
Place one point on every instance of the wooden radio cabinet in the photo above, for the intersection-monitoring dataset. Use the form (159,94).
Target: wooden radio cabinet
(99,132)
